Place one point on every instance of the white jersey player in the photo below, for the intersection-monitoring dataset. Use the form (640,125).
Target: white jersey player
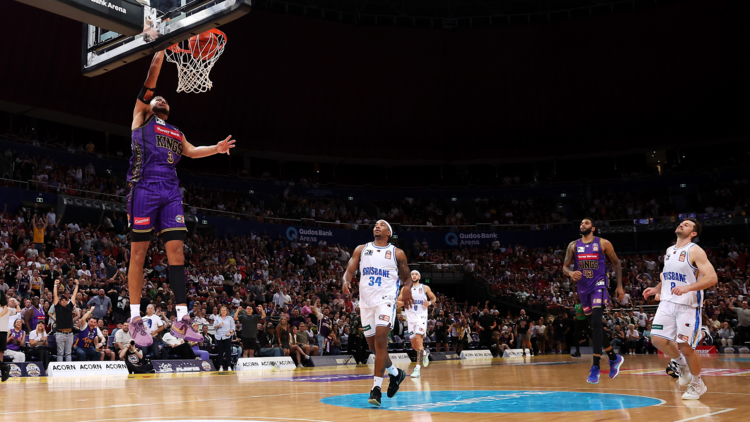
(416,319)
(382,269)
(676,329)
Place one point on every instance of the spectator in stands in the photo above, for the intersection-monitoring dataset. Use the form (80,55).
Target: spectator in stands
(633,338)
(38,344)
(154,325)
(122,338)
(727,335)
(224,326)
(282,333)
(743,321)
(303,341)
(16,339)
(64,321)
(201,354)
(102,305)
(269,346)
(104,349)
(249,332)
(176,346)
(87,340)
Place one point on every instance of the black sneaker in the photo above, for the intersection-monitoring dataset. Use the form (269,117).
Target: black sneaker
(673,370)
(375,396)
(395,383)
(576,355)
(5,371)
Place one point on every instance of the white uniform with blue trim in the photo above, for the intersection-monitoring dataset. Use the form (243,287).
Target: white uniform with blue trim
(416,314)
(679,317)
(378,287)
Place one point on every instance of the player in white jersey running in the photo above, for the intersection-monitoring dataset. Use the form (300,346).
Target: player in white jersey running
(382,268)
(416,319)
(676,329)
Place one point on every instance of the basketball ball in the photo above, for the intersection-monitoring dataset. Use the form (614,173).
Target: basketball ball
(204,46)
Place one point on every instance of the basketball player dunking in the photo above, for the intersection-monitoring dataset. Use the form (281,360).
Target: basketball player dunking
(590,272)
(155,201)
(676,328)
(382,266)
(416,319)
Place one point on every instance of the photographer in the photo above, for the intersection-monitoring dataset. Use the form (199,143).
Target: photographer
(133,358)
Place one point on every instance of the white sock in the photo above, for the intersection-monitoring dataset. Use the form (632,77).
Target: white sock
(135,310)
(393,370)
(181,312)
(697,380)
(681,361)
(378,382)
(418,366)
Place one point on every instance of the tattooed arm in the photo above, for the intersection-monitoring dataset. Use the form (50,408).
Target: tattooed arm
(575,275)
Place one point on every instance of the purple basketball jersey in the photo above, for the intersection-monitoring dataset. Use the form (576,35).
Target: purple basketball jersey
(157,148)
(590,262)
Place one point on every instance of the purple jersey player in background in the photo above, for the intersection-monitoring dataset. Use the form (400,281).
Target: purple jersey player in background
(155,202)
(587,254)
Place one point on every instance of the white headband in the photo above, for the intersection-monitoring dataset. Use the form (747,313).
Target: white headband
(389,226)
(415,271)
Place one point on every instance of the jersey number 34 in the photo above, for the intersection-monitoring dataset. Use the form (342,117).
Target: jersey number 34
(374,281)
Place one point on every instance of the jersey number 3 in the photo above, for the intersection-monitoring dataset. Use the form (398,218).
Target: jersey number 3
(170,158)
(374,281)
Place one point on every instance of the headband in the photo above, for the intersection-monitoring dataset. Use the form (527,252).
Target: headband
(389,226)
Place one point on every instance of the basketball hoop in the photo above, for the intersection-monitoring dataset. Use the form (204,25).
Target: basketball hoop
(195,58)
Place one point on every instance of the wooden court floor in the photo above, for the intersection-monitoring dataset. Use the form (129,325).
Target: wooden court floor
(546,386)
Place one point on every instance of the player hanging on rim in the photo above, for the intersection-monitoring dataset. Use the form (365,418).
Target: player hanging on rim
(416,319)
(676,329)
(382,266)
(587,254)
(155,201)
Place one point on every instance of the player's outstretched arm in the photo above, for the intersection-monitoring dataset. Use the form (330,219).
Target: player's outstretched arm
(223,147)
(147,92)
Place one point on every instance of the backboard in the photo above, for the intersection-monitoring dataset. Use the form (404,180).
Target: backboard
(166,22)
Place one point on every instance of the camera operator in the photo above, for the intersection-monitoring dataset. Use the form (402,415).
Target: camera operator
(133,358)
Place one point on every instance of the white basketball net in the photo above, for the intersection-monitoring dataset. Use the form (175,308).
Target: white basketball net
(192,70)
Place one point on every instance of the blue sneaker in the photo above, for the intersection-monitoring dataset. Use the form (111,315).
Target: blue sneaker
(593,375)
(614,366)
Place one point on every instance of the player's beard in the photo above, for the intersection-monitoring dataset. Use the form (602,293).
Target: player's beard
(162,110)
(587,231)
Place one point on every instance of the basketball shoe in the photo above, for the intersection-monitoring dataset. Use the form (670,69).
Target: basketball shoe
(395,382)
(614,366)
(416,373)
(139,334)
(375,396)
(593,375)
(695,391)
(425,358)
(184,329)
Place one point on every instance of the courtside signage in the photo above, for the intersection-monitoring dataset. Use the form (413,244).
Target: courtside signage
(265,364)
(395,358)
(476,354)
(86,369)
(514,353)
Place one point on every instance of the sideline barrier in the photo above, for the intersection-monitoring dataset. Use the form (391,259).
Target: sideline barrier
(182,366)
(476,354)
(703,351)
(395,358)
(332,360)
(86,369)
(515,353)
(443,356)
(26,369)
(265,364)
